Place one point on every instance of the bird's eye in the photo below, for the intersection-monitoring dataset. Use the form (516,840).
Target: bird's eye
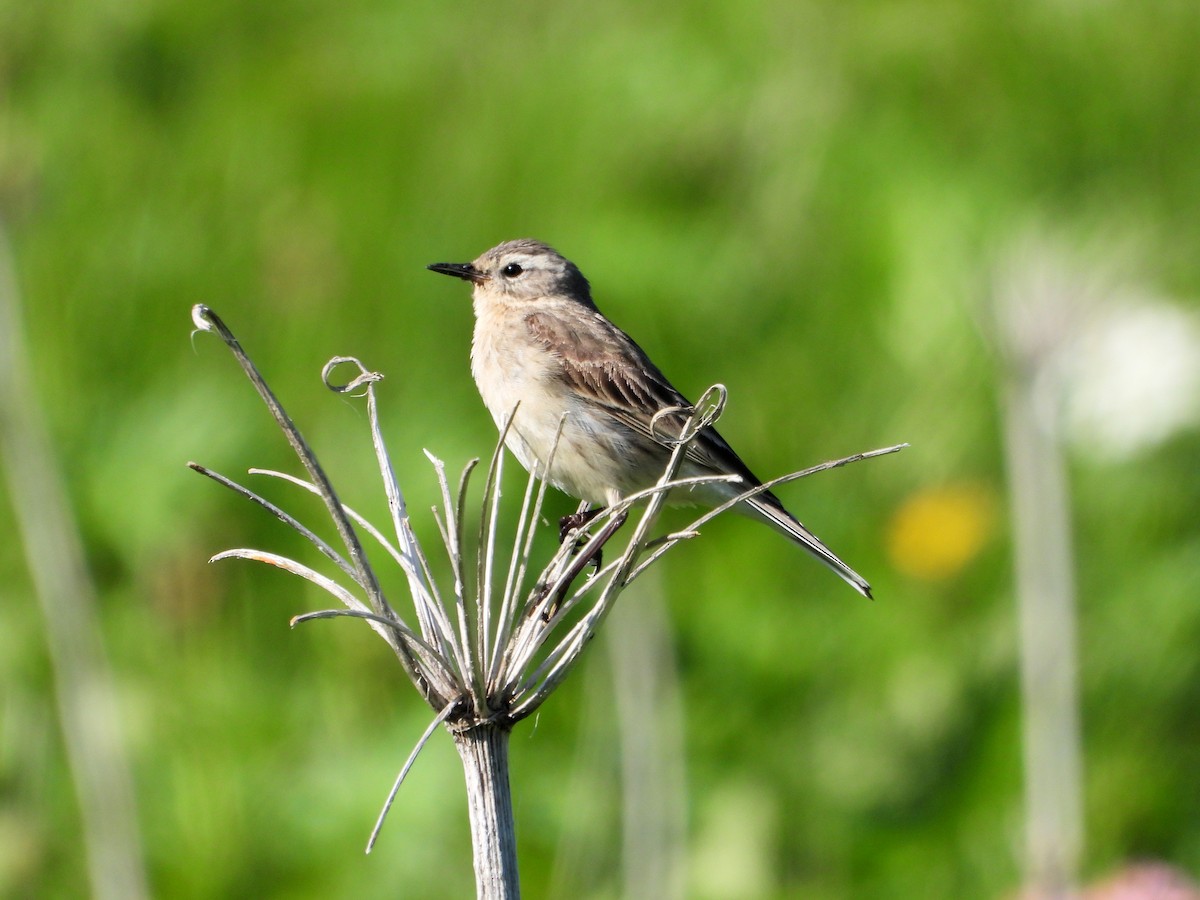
(512,270)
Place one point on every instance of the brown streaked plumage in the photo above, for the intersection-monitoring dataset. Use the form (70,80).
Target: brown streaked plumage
(542,347)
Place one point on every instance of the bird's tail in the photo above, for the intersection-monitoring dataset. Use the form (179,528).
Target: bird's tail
(781,520)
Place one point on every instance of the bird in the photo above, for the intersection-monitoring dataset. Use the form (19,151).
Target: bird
(543,354)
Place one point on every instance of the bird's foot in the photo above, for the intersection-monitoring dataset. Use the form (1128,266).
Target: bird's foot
(576,521)
(567,525)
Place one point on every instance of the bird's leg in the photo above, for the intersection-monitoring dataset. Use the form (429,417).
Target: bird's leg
(575,522)
(565,526)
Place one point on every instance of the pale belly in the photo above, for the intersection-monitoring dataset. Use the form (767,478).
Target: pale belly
(594,458)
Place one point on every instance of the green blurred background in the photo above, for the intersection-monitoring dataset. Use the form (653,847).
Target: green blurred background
(811,202)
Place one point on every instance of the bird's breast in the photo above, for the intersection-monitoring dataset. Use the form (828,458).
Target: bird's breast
(593,456)
(507,366)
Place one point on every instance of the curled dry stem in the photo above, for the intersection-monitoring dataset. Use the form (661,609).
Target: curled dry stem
(507,643)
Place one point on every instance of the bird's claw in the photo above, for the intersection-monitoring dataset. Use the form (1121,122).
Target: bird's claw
(575,522)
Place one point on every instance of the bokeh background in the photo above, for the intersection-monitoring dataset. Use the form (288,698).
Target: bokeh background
(874,222)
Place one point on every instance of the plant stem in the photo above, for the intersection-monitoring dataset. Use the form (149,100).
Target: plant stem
(484,753)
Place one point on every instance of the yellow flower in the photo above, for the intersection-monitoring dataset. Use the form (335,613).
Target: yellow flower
(937,531)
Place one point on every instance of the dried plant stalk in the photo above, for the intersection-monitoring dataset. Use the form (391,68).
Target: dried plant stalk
(494,652)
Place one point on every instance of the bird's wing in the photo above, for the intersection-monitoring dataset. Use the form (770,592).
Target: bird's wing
(606,366)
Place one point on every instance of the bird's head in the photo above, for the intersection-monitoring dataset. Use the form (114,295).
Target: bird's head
(521,271)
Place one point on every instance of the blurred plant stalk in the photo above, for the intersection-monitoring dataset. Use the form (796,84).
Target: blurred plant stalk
(1047,622)
(488,651)
(88,710)
(1035,312)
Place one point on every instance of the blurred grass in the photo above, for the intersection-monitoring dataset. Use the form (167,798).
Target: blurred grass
(800,200)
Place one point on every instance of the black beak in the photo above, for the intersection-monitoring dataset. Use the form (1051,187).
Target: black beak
(465,271)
